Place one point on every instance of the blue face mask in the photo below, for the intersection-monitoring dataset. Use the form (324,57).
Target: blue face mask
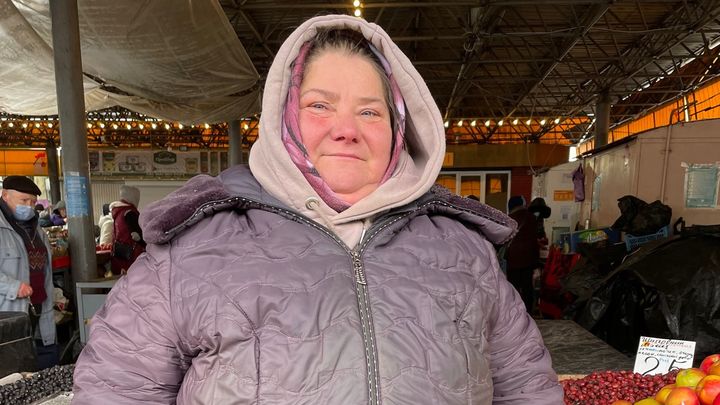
(24,212)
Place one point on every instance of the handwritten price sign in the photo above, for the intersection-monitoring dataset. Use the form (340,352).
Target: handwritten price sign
(659,356)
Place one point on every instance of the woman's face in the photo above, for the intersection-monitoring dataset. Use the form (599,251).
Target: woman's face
(345,123)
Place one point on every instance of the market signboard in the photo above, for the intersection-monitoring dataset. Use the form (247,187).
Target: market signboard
(163,162)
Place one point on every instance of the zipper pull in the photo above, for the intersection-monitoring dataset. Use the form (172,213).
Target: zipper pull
(358,268)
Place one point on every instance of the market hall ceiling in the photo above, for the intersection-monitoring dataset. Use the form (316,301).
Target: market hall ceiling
(485,60)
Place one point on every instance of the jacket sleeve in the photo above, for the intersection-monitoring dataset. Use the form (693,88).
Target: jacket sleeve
(8,286)
(520,364)
(133,354)
(46,323)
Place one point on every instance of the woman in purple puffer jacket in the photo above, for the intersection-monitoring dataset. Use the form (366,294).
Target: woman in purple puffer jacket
(329,272)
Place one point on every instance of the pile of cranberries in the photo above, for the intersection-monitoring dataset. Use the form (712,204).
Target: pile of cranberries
(606,387)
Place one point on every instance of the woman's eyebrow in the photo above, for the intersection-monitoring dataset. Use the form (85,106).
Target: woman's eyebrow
(325,93)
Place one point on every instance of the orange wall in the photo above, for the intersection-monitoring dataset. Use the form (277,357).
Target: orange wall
(23,162)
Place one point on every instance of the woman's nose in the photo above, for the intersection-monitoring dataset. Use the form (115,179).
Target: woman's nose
(345,128)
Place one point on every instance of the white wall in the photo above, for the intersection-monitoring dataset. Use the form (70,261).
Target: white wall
(636,168)
(558,178)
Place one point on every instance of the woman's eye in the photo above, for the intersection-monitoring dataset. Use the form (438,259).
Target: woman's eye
(370,113)
(317,105)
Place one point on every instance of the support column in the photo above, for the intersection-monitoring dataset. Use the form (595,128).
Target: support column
(53,171)
(73,138)
(602,119)
(235,137)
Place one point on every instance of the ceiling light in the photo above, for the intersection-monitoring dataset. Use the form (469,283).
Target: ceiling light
(459,123)
(207,126)
(89,125)
(358,13)
(500,123)
(167,126)
(24,124)
(473,123)
(246,127)
(115,126)
(487,123)
(102,125)
(153,125)
(356,3)
(50,125)
(542,121)
(180,126)
(528,122)
(557,120)
(141,126)
(128,126)
(37,125)
(447,124)
(515,121)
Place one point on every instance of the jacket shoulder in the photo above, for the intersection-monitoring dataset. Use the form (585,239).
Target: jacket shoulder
(159,219)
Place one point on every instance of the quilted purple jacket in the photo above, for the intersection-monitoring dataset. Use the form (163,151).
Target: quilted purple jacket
(240,300)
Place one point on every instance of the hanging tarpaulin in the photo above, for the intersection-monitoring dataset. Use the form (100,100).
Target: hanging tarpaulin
(701,185)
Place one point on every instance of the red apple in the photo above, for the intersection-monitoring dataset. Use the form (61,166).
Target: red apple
(714,368)
(682,396)
(662,395)
(717,400)
(708,361)
(708,389)
(689,377)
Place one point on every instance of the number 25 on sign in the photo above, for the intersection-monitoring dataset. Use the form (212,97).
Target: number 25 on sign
(659,356)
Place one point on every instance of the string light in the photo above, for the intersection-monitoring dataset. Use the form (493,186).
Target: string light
(487,123)
(10,124)
(128,126)
(101,125)
(24,124)
(167,126)
(153,125)
(542,122)
(207,126)
(473,123)
(115,126)
(460,123)
(180,126)
(557,120)
(500,123)
(447,124)
(89,125)
(50,124)
(515,121)
(141,126)
(528,122)
(246,127)
(358,12)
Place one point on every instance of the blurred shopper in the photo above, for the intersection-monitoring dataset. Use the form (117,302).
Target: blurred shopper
(523,252)
(59,214)
(25,267)
(106,223)
(128,242)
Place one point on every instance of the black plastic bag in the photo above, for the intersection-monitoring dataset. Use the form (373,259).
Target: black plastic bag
(17,352)
(640,218)
(669,289)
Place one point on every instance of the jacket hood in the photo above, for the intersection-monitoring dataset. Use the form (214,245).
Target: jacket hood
(419,164)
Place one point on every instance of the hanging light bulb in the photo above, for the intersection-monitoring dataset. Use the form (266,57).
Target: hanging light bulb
(542,121)
(128,126)
(115,126)
(447,124)
(500,123)
(528,122)
(487,123)
(515,121)
(101,125)
(89,125)
(473,123)
(557,120)
(141,126)
(24,124)
(356,3)
(10,124)
(460,123)
(50,124)
(153,125)
(358,12)
(207,126)
(246,127)
(180,126)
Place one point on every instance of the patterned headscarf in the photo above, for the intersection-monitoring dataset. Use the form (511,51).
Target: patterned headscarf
(292,138)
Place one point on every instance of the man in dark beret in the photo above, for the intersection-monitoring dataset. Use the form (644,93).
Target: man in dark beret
(25,267)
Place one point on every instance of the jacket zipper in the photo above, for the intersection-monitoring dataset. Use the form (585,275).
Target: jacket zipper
(361,291)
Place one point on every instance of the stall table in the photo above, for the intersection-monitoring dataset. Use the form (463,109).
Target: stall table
(576,351)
